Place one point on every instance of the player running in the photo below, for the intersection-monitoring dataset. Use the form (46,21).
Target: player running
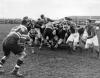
(92,39)
(14,42)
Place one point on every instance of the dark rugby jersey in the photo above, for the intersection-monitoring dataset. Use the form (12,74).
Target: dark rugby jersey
(91,31)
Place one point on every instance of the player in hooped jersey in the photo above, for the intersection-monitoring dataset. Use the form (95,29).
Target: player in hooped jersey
(14,42)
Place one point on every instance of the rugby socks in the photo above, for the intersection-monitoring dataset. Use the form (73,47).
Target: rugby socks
(19,62)
(17,66)
(41,44)
(16,72)
(3,60)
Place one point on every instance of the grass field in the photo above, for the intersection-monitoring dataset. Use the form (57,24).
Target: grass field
(47,63)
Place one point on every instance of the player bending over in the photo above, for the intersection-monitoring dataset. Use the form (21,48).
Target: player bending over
(11,43)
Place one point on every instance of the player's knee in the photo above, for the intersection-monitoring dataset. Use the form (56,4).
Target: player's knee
(86,46)
(60,41)
(24,54)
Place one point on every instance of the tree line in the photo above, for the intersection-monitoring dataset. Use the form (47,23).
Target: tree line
(10,21)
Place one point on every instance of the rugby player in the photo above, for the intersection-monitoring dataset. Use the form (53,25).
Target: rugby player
(48,34)
(92,39)
(62,34)
(14,42)
(73,39)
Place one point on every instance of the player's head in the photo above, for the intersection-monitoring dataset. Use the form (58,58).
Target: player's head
(42,16)
(68,19)
(88,22)
(27,23)
(24,20)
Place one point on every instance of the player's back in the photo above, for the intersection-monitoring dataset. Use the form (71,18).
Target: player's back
(20,29)
(49,25)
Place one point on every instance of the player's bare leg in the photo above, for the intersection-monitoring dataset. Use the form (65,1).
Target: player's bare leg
(96,48)
(59,42)
(3,60)
(41,43)
(15,71)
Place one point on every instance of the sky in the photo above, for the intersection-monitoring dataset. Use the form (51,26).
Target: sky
(50,8)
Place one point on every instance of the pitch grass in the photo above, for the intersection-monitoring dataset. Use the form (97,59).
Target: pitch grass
(48,63)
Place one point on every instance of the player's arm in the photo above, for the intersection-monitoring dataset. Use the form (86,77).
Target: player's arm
(25,34)
(48,19)
(92,34)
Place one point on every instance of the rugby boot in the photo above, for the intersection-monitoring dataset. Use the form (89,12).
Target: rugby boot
(1,68)
(16,72)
